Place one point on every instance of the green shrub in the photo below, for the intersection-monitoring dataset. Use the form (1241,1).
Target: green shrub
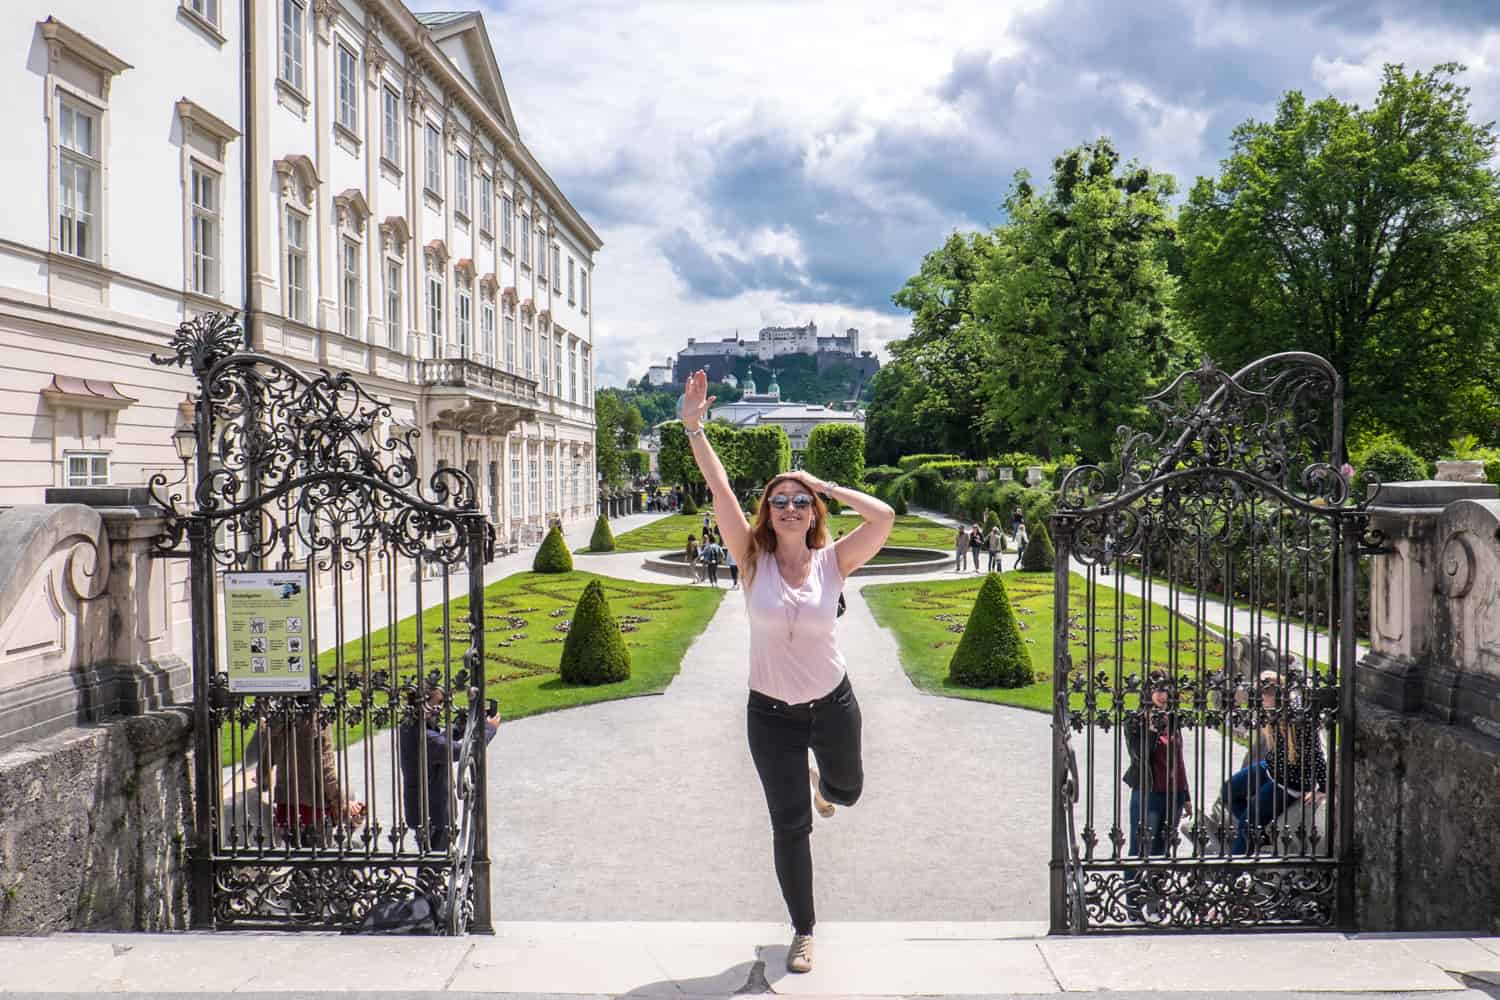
(1491,459)
(594,651)
(834,507)
(878,475)
(1390,460)
(836,452)
(991,653)
(910,462)
(1039,556)
(749,505)
(553,555)
(955,468)
(991,520)
(899,505)
(688,506)
(603,539)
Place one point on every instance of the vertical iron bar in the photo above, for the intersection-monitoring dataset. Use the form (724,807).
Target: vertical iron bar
(1061,657)
(1349,538)
(204,764)
(480,878)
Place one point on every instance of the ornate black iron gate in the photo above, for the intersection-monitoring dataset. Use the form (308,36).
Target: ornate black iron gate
(1204,639)
(338,625)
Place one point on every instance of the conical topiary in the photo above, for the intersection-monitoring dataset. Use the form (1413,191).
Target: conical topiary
(899,506)
(991,519)
(594,651)
(688,506)
(749,505)
(1039,556)
(553,555)
(991,653)
(603,539)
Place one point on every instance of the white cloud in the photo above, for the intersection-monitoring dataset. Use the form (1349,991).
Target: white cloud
(899,121)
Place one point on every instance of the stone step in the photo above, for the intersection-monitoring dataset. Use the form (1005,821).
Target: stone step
(721,959)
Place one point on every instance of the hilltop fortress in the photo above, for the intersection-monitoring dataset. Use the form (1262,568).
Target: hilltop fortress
(722,357)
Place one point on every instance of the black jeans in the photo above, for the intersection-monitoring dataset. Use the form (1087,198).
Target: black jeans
(780,736)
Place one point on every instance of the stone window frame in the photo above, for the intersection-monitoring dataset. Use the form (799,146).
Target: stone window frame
(73,57)
(298,185)
(200,123)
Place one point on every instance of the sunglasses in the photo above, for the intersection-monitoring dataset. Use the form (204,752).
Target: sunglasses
(801,501)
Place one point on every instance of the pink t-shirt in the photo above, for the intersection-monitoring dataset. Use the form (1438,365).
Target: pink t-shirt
(807,664)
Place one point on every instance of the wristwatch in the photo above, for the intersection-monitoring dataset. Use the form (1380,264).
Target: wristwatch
(696,431)
(828,487)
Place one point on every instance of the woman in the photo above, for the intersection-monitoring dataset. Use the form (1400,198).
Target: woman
(1287,765)
(734,569)
(692,554)
(1153,739)
(976,544)
(960,549)
(800,696)
(997,546)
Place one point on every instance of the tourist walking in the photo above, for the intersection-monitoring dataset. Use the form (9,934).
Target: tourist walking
(976,544)
(734,569)
(711,560)
(996,546)
(1021,541)
(800,697)
(960,549)
(692,556)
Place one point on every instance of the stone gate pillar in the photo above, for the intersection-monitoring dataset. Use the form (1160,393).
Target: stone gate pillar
(1427,741)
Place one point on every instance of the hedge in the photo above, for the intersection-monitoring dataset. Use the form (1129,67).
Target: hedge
(1039,556)
(688,506)
(836,452)
(553,555)
(991,653)
(594,651)
(1390,460)
(910,462)
(765,452)
(603,539)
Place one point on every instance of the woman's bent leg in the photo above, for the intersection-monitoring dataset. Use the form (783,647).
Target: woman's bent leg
(836,734)
(778,745)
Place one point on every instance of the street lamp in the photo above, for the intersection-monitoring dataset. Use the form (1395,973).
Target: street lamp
(185,437)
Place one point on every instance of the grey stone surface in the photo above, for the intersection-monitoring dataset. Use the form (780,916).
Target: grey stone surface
(650,808)
(93,827)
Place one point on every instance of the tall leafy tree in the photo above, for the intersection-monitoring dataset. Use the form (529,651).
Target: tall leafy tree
(1076,295)
(939,382)
(1366,235)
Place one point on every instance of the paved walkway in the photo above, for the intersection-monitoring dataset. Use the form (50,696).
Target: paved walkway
(707,959)
(650,808)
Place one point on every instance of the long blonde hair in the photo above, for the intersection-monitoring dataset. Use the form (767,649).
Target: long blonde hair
(763,536)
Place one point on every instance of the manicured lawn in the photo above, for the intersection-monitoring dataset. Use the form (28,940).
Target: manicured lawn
(927,619)
(671,532)
(523,644)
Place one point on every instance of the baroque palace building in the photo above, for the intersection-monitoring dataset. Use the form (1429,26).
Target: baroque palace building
(371,207)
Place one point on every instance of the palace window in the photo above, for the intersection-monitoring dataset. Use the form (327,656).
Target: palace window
(487,329)
(204,229)
(434,160)
(390,113)
(583,290)
(541,255)
(293,35)
(461,184)
(546,364)
(526,348)
(88,468)
(296,266)
(78,172)
(515,479)
(350,259)
(348,64)
(507,223)
(435,309)
(570,281)
(393,302)
(465,317)
(525,234)
(486,204)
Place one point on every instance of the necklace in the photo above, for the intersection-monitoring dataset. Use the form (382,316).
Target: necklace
(790,606)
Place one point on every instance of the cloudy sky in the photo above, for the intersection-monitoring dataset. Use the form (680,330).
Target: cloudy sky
(776,161)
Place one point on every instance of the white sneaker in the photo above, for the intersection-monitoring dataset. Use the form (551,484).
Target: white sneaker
(824,807)
(799,957)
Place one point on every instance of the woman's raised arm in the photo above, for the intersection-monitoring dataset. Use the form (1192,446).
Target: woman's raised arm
(732,523)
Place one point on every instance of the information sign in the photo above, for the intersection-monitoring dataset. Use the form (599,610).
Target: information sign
(266,632)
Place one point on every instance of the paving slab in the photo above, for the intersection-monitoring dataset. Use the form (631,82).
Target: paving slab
(1271,962)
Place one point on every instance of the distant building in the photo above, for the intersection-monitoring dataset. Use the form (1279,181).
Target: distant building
(658,375)
(797,419)
(770,343)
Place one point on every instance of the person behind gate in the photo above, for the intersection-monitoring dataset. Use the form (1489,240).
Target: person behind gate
(443,748)
(1157,775)
(800,696)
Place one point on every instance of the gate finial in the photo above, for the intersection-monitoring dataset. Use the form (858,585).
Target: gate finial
(203,340)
